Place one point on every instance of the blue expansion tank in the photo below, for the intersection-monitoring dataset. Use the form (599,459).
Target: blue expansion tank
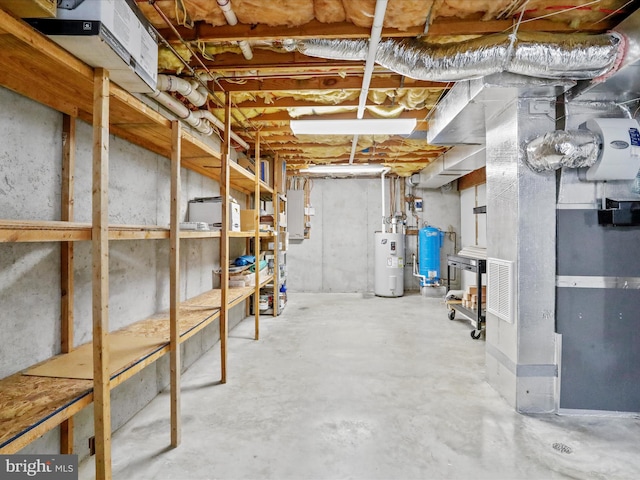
(429,244)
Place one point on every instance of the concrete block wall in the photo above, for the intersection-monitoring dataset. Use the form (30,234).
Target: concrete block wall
(338,256)
(139,184)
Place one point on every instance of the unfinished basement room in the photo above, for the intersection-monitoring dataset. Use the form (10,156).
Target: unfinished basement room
(320,239)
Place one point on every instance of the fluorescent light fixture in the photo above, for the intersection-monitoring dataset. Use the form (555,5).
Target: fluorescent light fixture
(367,126)
(345,169)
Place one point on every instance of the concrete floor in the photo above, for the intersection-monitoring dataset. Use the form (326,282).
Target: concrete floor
(359,387)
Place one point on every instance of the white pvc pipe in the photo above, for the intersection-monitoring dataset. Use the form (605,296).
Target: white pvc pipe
(183,112)
(195,95)
(229,14)
(384,216)
(416,273)
(374,40)
(206,114)
(246,49)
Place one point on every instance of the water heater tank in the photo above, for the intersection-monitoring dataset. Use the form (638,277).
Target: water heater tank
(429,245)
(389,264)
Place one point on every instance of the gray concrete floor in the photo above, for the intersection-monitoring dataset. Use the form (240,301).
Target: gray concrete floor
(359,387)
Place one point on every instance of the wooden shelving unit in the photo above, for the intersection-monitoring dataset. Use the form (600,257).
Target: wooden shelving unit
(62,82)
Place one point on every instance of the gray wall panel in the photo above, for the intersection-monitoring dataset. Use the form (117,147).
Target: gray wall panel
(600,348)
(586,248)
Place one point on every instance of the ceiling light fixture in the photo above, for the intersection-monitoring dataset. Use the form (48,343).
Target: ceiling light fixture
(367,126)
(345,169)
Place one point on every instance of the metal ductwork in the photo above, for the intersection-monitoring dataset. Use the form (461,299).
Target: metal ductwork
(575,56)
(459,119)
(624,84)
(554,150)
(450,166)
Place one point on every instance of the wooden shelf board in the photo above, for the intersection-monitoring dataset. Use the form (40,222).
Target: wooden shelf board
(200,234)
(57,231)
(32,405)
(241,179)
(264,188)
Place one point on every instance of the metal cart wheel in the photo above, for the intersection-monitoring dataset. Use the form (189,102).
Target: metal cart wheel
(475,334)
(451,314)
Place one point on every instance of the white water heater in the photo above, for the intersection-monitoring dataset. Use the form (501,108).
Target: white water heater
(389,264)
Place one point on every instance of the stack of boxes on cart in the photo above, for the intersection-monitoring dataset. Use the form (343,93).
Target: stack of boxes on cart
(470,297)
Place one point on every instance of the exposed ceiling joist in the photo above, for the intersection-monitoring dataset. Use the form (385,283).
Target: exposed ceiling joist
(315,29)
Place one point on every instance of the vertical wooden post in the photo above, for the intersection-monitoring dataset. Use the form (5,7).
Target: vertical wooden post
(174,288)
(66,260)
(256,246)
(224,238)
(100,255)
(277,168)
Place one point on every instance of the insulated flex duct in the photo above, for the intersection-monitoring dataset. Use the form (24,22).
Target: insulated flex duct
(554,150)
(543,55)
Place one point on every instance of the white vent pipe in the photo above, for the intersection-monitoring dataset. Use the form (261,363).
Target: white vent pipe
(207,115)
(182,111)
(232,19)
(374,40)
(229,14)
(192,91)
(384,214)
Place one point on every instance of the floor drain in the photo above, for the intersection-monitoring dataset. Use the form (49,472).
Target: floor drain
(562,448)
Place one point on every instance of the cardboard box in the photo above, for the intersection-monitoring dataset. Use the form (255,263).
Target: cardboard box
(473,290)
(248,220)
(31,8)
(209,210)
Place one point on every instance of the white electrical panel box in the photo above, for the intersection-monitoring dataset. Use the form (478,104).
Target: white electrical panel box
(111,34)
(295,214)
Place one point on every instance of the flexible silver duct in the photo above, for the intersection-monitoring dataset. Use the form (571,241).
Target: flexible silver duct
(554,150)
(576,57)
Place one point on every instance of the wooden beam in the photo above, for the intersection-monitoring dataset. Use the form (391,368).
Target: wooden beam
(174,283)
(66,260)
(315,29)
(477,177)
(225,192)
(275,200)
(100,254)
(351,82)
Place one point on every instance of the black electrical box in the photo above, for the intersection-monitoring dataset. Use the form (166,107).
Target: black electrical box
(620,213)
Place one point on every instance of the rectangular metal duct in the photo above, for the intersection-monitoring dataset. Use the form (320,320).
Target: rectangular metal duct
(451,165)
(624,85)
(459,118)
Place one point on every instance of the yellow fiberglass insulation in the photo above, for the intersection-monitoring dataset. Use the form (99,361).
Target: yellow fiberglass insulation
(167,61)
(463,9)
(329,11)
(401,14)
(282,12)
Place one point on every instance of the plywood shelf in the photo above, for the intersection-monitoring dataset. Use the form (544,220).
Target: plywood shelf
(200,234)
(57,231)
(32,405)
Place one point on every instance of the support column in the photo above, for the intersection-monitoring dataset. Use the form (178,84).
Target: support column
(256,221)
(174,287)
(521,355)
(224,238)
(100,256)
(66,260)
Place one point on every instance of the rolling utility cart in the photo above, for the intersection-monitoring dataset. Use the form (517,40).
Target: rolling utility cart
(476,316)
